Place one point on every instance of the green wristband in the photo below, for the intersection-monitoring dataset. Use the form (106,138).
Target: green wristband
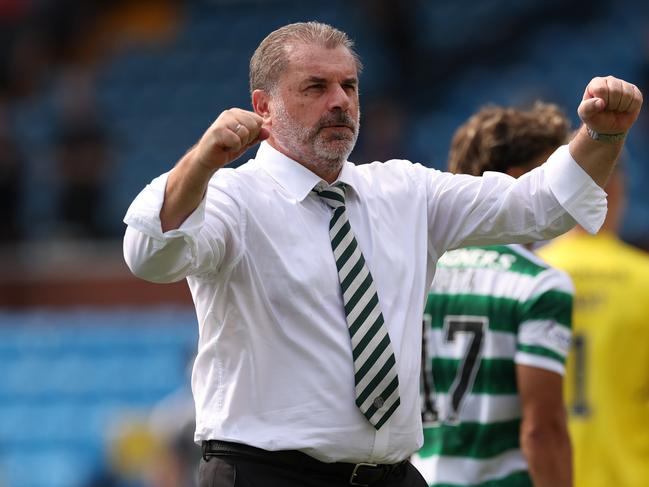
(606,138)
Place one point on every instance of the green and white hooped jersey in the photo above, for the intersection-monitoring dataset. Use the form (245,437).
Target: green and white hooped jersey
(489,309)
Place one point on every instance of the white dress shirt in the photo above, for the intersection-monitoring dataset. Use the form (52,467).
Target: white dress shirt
(274,365)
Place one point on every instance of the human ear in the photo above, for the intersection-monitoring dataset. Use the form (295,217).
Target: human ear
(261,103)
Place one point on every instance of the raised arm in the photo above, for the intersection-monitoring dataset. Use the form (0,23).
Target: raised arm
(231,134)
(609,108)
(162,243)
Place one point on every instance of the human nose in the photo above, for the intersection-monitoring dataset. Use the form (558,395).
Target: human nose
(339,98)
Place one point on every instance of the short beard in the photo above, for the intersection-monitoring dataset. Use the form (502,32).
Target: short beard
(307,144)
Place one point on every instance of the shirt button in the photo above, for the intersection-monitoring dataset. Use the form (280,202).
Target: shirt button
(378,402)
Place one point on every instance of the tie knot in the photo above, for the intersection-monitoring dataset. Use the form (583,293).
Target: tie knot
(334,195)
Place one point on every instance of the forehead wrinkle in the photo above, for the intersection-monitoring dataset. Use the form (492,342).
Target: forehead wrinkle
(320,61)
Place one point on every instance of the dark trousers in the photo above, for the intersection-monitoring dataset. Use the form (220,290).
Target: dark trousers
(236,471)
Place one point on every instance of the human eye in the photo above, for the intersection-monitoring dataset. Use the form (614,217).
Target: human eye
(350,87)
(315,87)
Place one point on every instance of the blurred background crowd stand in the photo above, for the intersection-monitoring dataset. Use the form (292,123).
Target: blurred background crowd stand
(99,96)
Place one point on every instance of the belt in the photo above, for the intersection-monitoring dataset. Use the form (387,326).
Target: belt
(360,474)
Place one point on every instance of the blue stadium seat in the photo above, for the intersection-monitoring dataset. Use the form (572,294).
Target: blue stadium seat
(68,376)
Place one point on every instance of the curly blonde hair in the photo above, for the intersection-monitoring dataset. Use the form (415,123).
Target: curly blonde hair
(498,138)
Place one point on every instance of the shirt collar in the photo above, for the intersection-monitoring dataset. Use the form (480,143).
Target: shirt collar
(293,176)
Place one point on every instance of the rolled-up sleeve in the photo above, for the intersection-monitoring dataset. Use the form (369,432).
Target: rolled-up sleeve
(198,246)
(498,209)
(575,190)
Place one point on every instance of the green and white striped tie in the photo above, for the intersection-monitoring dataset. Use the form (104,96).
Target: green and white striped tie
(375,372)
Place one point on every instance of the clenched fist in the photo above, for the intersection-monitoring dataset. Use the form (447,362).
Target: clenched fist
(232,133)
(610,105)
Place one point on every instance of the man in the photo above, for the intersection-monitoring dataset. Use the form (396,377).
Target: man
(496,332)
(309,273)
(608,367)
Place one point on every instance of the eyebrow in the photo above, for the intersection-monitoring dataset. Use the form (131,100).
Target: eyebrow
(316,79)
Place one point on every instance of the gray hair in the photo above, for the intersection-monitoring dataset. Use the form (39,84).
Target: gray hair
(271,57)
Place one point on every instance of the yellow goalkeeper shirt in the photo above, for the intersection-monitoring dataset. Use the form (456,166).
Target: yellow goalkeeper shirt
(607,376)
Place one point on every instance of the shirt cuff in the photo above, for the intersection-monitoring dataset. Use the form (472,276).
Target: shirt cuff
(575,190)
(144,213)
